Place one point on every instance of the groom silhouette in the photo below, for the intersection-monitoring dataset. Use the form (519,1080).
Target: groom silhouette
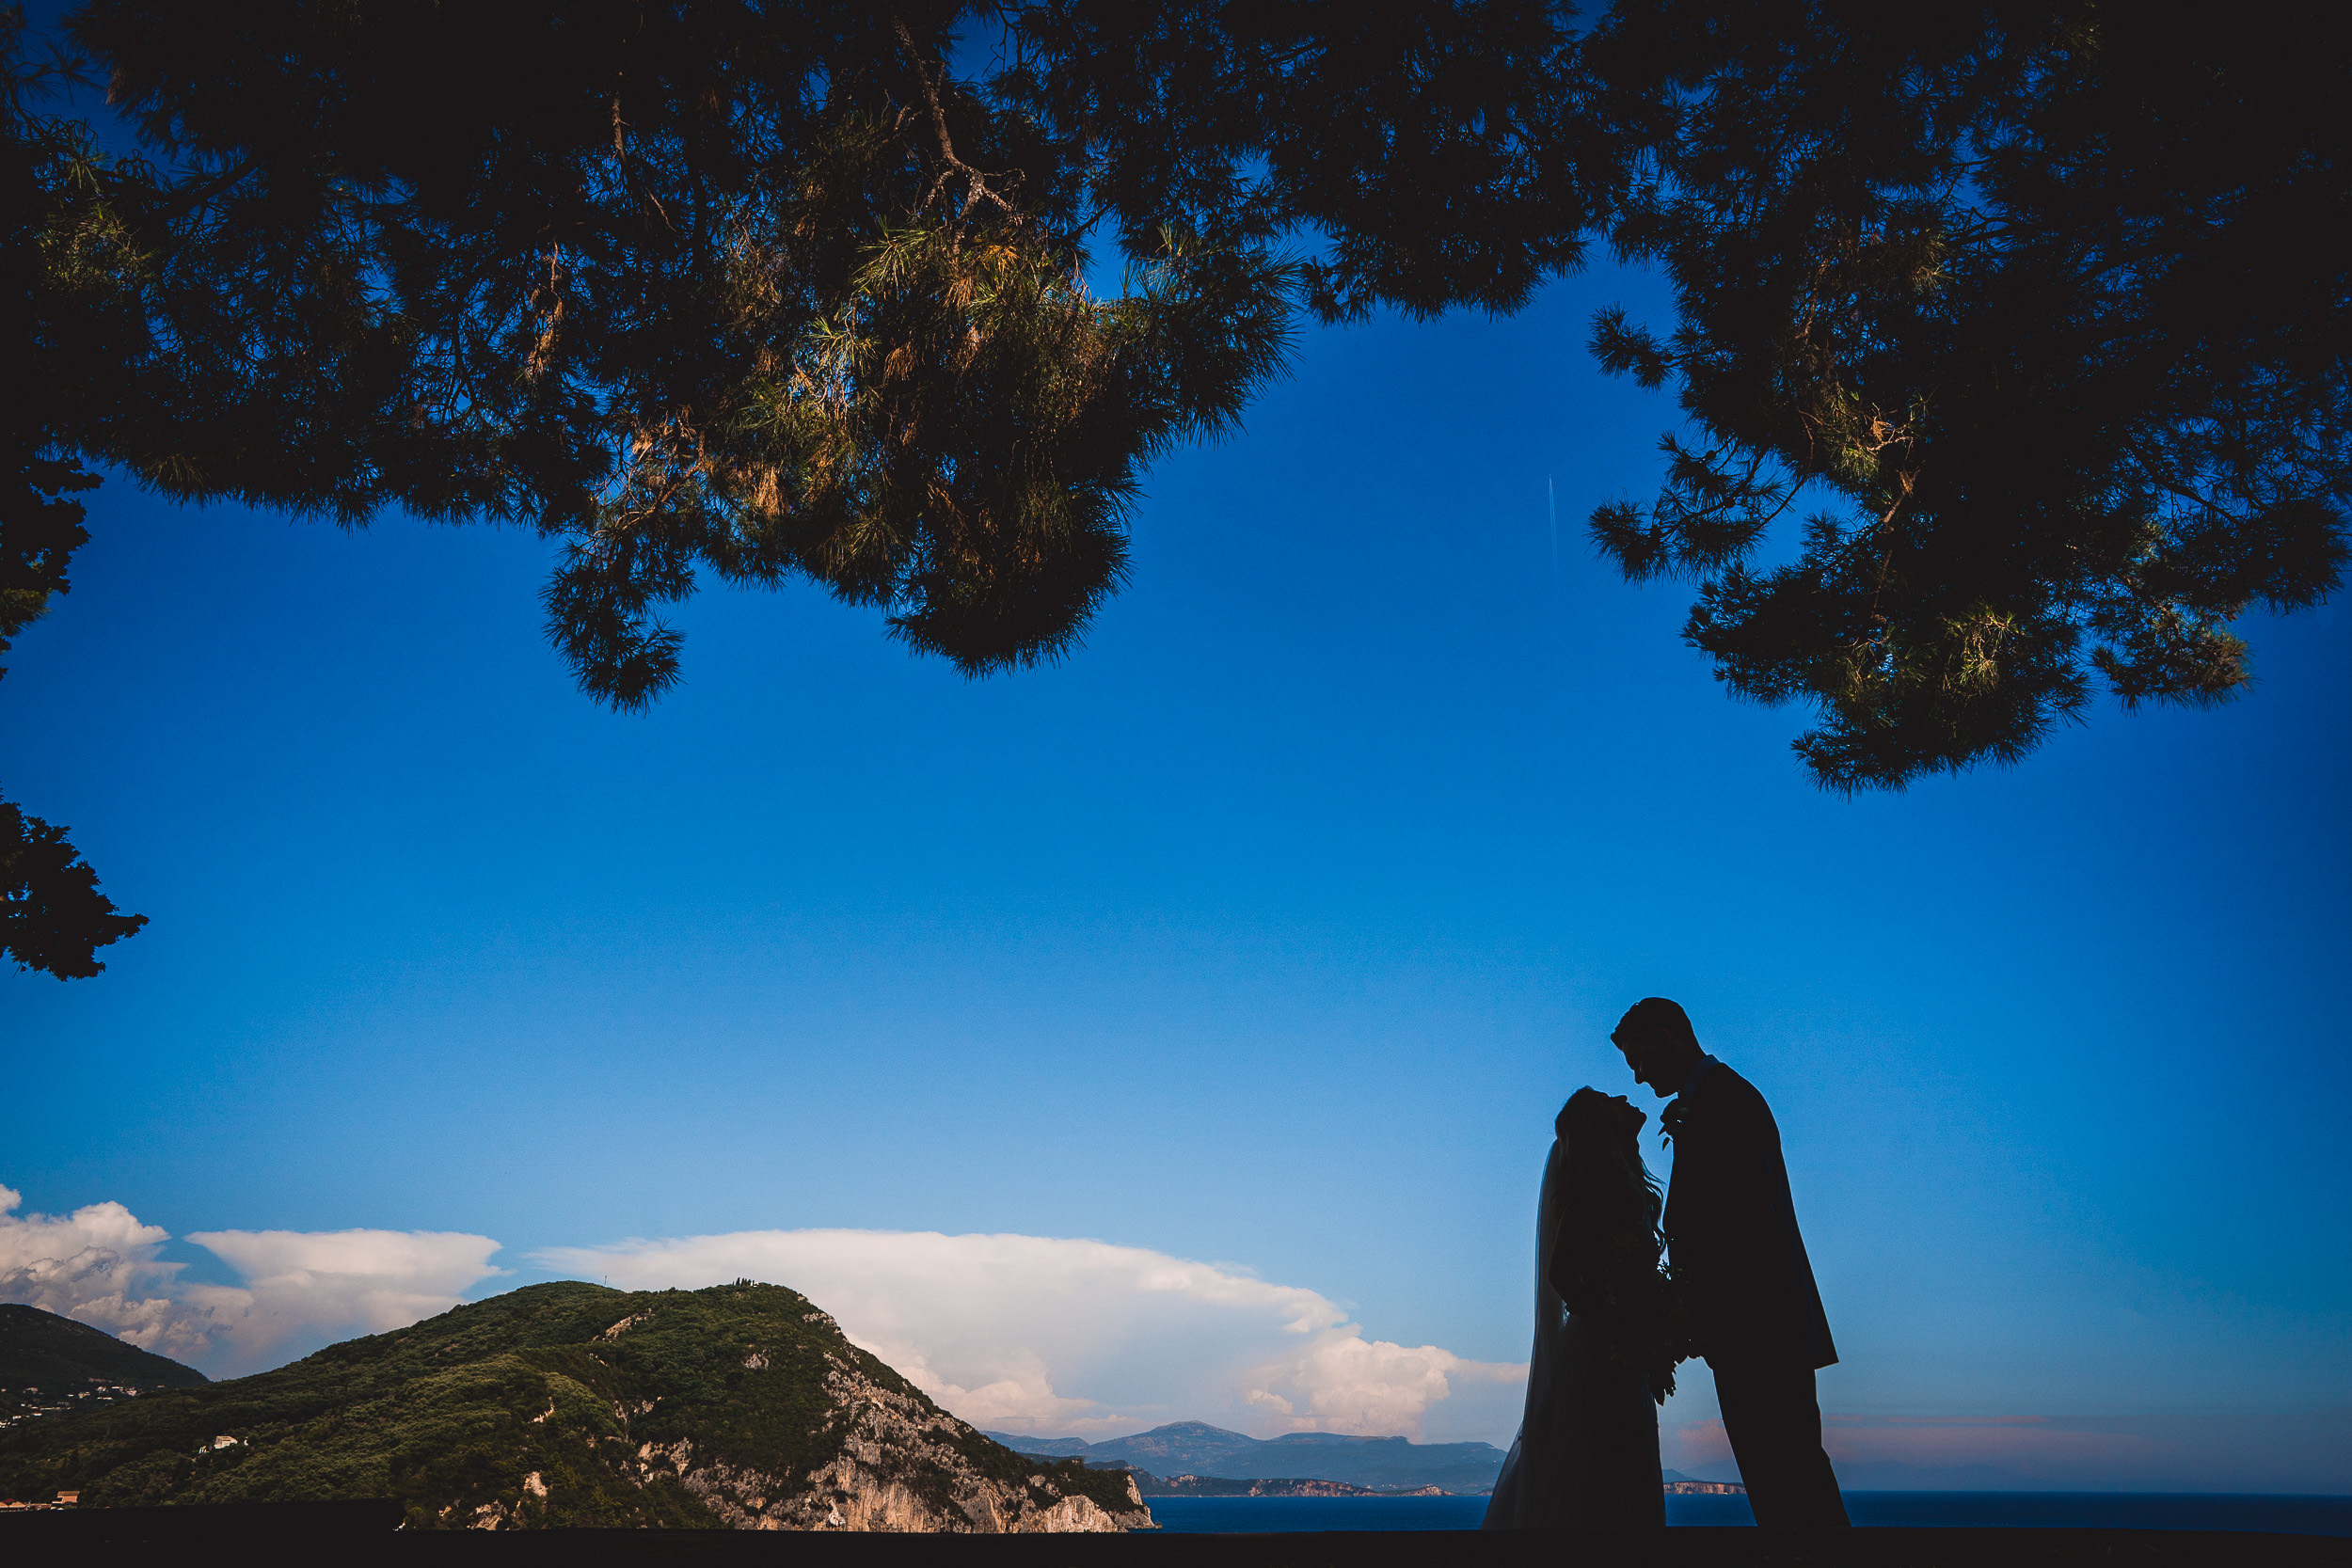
(1731,1231)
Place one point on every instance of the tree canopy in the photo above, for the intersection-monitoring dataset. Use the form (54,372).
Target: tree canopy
(767,289)
(2032,304)
(52,918)
(2022,308)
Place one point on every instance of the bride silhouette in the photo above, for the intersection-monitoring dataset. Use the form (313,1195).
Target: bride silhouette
(1586,1455)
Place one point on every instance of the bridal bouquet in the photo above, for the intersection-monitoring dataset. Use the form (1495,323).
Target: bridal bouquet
(1608,1268)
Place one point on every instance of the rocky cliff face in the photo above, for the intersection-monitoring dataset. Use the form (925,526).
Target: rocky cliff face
(903,1464)
(740,1406)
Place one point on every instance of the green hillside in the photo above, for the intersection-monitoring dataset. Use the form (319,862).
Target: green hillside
(572,1404)
(49,1364)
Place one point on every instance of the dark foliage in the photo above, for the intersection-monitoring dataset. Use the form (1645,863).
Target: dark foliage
(760,289)
(1439,152)
(765,289)
(40,525)
(2027,307)
(2034,302)
(52,918)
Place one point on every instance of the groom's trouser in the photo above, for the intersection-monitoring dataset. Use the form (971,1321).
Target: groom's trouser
(1773,1419)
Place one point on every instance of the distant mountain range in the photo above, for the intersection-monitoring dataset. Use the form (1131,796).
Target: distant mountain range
(1197,1449)
(49,1365)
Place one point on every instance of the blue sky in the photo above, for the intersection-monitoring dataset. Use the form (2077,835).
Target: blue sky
(1267,931)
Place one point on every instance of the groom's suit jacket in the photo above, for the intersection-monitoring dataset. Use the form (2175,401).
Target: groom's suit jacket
(1731,1228)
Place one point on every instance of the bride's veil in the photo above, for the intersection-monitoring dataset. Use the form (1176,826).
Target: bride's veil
(1520,1502)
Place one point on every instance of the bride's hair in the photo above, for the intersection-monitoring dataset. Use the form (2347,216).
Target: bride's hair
(1607,1179)
(1605,1253)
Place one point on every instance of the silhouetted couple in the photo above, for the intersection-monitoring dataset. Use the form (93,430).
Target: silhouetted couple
(1611,1323)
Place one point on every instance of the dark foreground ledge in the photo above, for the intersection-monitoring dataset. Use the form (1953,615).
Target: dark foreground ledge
(358,1535)
(1679,1549)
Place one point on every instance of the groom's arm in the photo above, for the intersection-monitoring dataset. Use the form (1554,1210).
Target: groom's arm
(1719,1219)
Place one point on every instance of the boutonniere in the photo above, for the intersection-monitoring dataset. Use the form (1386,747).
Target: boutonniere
(1670,1122)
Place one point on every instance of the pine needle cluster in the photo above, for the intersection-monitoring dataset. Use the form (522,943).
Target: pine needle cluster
(2030,303)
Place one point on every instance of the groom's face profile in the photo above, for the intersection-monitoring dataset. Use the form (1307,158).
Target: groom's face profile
(1655,1039)
(1657,1061)
(1635,1049)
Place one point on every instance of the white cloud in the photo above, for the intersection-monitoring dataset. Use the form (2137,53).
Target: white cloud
(1342,1381)
(1045,1335)
(96,1265)
(100,1265)
(300,1285)
(1028,1334)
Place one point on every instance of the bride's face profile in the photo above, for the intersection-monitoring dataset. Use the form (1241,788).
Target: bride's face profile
(1626,1116)
(1609,1117)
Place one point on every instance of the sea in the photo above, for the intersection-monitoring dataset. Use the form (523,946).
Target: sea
(2291,1516)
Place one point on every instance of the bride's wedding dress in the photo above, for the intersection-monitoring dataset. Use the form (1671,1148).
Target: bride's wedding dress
(1586,1455)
